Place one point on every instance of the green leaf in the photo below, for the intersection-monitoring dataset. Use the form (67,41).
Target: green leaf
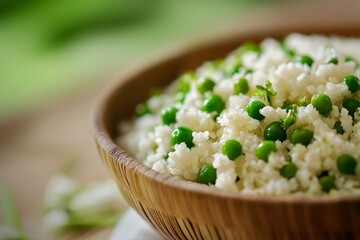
(259,87)
(99,221)
(266,92)
(290,118)
(9,212)
(303,102)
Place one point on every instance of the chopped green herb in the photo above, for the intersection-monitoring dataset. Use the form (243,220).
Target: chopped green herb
(248,71)
(305,59)
(266,92)
(334,61)
(339,129)
(303,102)
(287,50)
(288,106)
(290,119)
(349,59)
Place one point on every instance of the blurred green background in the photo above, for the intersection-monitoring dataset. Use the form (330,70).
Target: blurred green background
(49,49)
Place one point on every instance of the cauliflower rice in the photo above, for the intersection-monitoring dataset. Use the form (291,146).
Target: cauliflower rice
(285,76)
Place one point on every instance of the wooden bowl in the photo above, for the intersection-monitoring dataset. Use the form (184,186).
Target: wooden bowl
(181,209)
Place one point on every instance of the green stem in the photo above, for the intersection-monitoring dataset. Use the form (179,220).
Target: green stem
(9,212)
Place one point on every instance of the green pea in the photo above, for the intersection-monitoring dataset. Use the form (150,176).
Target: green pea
(327,183)
(264,149)
(214,103)
(180,97)
(351,105)
(168,115)
(302,136)
(322,103)
(216,64)
(346,164)
(205,85)
(339,129)
(142,109)
(352,83)
(182,135)
(249,47)
(253,109)
(241,86)
(183,86)
(183,82)
(235,69)
(289,170)
(206,174)
(334,61)
(305,59)
(275,131)
(232,149)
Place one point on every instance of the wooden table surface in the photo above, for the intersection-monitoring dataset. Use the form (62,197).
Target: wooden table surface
(34,147)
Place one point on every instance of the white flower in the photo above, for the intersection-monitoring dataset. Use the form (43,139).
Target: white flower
(58,189)
(53,222)
(97,199)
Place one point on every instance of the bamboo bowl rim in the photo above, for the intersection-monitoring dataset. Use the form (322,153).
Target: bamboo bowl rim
(105,141)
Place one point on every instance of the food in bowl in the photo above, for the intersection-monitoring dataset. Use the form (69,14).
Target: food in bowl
(275,118)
